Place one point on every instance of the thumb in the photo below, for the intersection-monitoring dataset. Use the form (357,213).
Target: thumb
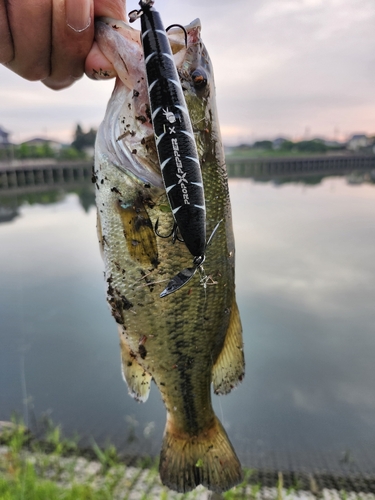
(97,65)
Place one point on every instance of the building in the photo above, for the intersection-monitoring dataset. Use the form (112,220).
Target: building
(40,141)
(4,137)
(358,141)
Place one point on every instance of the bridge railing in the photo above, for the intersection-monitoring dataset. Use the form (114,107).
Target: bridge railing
(266,167)
(34,176)
(30,176)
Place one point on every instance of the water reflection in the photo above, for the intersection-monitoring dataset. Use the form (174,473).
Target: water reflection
(307,170)
(305,274)
(12,200)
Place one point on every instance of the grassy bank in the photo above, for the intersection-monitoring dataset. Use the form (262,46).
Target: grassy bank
(53,468)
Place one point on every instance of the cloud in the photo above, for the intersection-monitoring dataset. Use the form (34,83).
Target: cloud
(280,66)
(28,109)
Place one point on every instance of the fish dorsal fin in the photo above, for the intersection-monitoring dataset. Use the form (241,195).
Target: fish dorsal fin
(137,379)
(229,368)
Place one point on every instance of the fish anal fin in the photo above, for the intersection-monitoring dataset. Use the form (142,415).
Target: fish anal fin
(229,369)
(136,378)
(139,233)
(208,459)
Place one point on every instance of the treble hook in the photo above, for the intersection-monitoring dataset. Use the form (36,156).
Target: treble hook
(136,14)
(186,275)
(178,26)
(161,235)
(174,232)
(177,236)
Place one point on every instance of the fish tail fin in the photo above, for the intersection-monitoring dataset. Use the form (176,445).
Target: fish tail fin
(208,459)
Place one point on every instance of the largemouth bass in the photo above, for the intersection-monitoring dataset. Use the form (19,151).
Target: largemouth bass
(193,337)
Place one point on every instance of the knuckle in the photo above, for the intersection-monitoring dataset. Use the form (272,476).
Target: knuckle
(54,83)
(29,71)
(33,75)
(6,54)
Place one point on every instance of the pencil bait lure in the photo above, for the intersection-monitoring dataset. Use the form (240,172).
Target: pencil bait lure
(174,137)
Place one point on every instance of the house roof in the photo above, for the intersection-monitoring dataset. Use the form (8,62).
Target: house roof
(3,131)
(358,136)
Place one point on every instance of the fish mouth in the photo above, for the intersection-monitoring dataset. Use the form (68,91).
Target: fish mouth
(126,135)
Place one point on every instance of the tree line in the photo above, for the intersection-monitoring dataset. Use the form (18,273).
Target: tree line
(79,149)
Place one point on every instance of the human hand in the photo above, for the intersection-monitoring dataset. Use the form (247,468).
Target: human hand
(50,40)
(97,65)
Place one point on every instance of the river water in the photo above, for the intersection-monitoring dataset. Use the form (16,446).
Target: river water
(306,291)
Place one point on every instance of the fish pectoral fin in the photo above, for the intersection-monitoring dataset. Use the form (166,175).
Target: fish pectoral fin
(135,376)
(139,233)
(229,368)
(208,458)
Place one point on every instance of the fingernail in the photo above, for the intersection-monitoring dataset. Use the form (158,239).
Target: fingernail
(78,14)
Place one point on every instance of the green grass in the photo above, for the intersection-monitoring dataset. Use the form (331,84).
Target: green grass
(23,478)
(28,473)
(25,484)
(240,492)
(53,469)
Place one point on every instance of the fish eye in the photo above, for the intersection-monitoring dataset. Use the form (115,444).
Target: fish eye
(199,77)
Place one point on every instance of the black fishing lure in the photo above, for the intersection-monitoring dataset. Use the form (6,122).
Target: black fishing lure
(174,137)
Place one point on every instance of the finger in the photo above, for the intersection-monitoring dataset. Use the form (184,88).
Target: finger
(97,66)
(72,38)
(30,26)
(6,43)
(110,8)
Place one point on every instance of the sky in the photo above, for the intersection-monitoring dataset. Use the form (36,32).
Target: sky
(293,68)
